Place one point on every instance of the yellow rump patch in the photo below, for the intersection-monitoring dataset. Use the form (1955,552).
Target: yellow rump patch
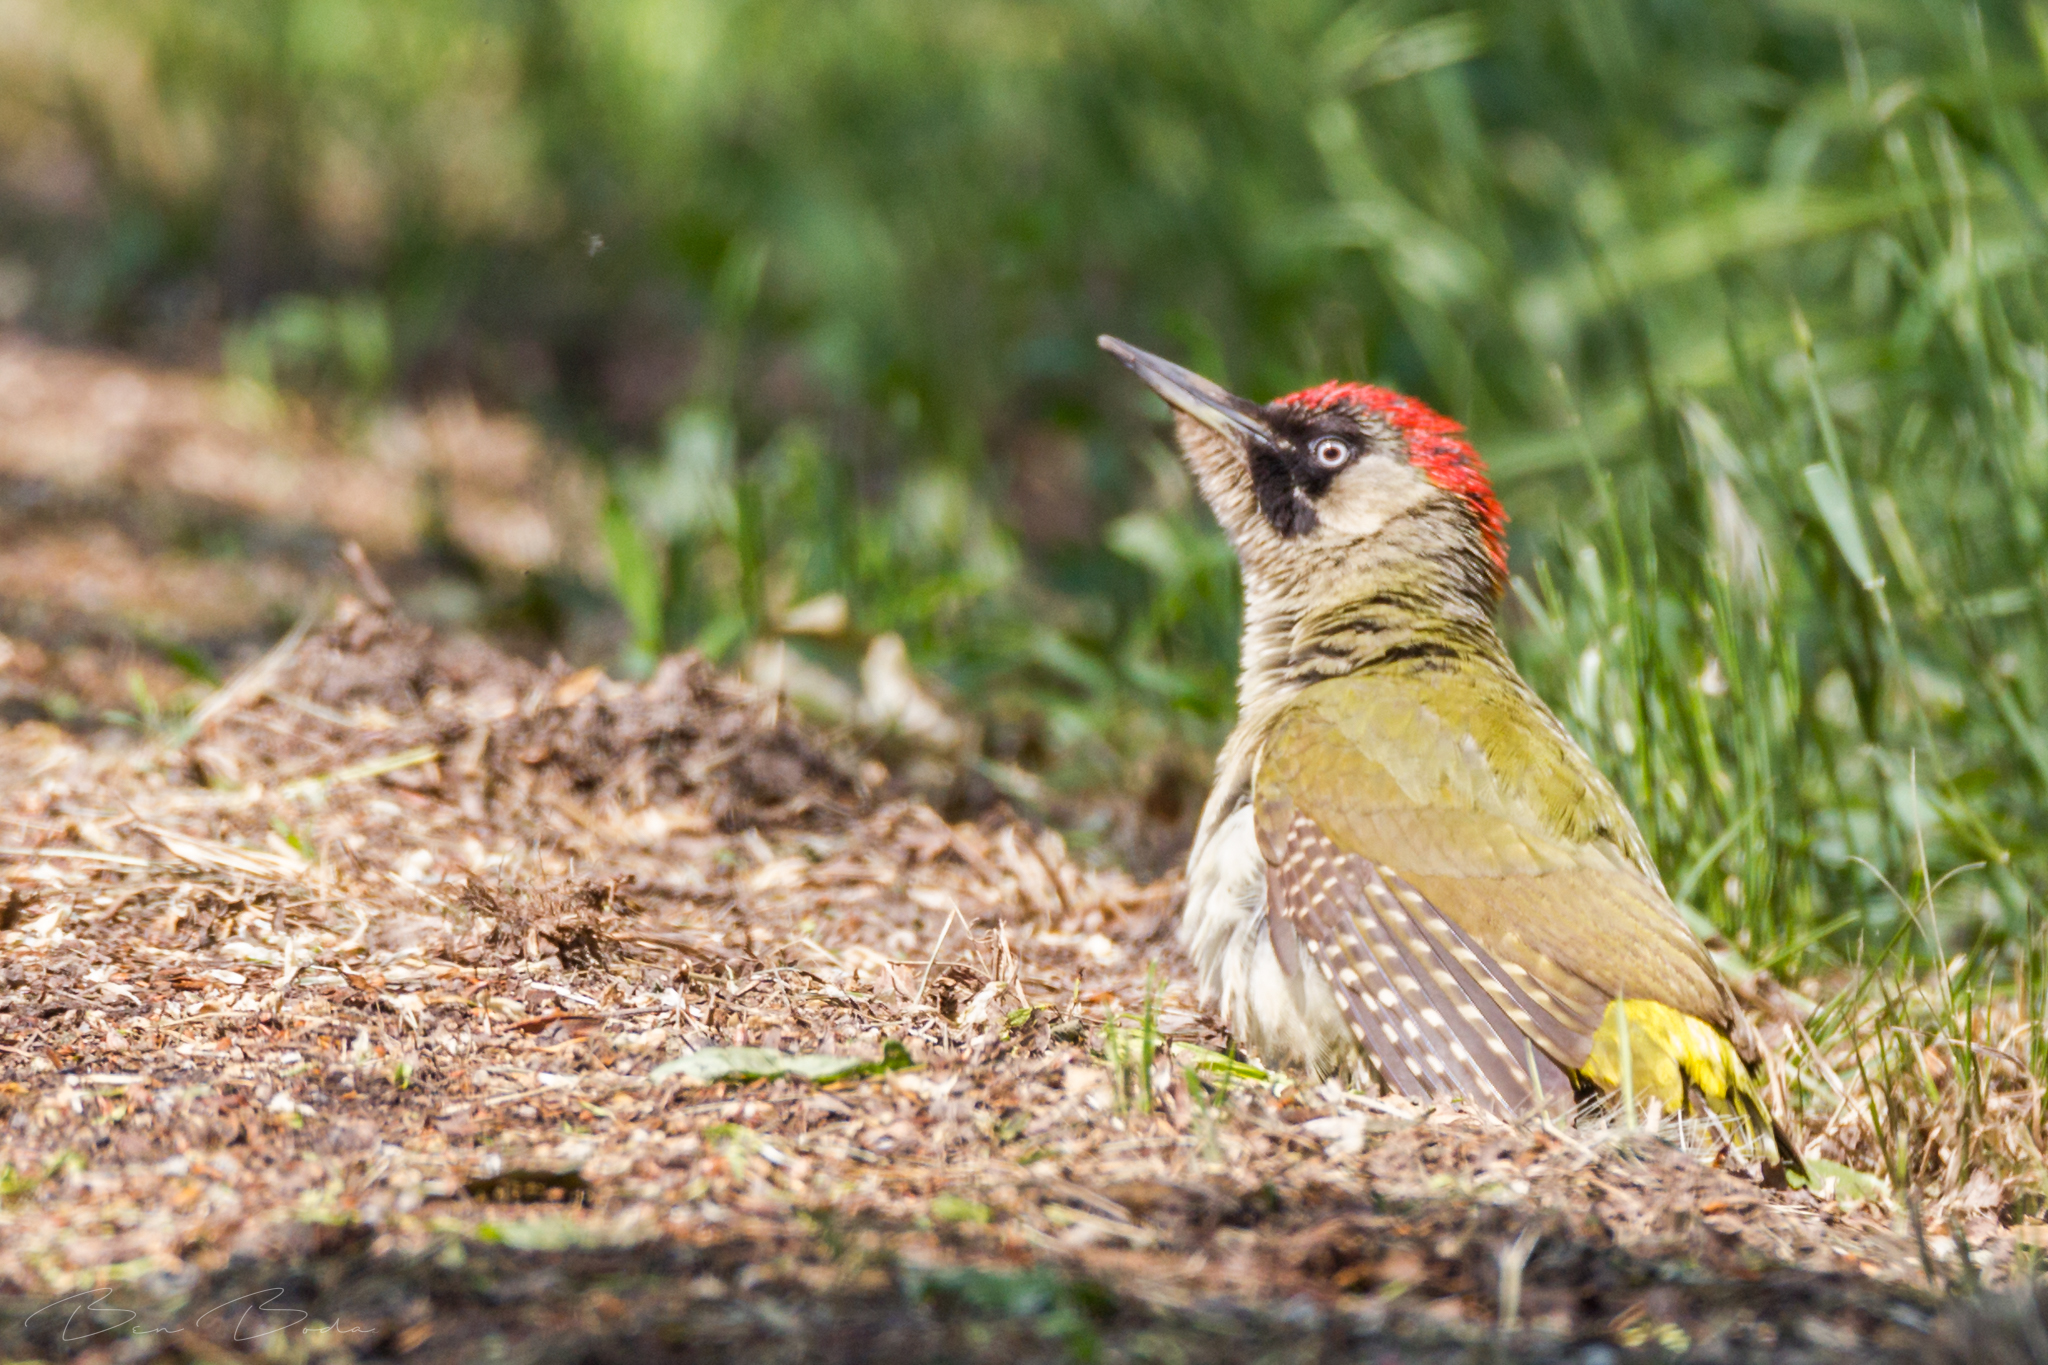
(1674,1058)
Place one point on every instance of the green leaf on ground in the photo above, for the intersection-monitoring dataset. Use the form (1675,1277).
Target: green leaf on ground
(1849,1183)
(955,1208)
(709,1064)
(1219,1063)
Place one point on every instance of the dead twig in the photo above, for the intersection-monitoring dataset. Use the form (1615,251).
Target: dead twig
(251,683)
(367,582)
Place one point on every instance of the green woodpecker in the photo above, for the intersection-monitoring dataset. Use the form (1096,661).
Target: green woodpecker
(1407,868)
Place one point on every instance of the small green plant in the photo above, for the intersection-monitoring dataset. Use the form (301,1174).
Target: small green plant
(1211,1097)
(1129,1048)
(1057,1308)
(956,1208)
(736,1142)
(16,1184)
(637,579)
(295,839)
(341,345)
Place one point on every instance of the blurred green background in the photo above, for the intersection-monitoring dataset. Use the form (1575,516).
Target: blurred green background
(1743,303)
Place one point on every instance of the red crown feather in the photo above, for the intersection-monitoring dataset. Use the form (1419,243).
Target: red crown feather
(1436,446)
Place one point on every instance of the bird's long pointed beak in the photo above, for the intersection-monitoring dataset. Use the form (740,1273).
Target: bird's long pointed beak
(1210,404)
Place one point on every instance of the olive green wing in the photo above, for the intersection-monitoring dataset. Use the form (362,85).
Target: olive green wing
(1471,888)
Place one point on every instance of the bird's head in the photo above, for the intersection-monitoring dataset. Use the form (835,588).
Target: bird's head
(1306,484)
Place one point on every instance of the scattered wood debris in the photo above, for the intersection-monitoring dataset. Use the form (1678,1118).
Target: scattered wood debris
(403,952)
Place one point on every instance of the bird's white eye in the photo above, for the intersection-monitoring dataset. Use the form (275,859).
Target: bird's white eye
(1331,453)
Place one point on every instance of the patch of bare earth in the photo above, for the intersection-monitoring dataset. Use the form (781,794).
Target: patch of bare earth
(146,510)
(362,993)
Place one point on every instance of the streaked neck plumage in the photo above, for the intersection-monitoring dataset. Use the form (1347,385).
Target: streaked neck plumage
(1416,595)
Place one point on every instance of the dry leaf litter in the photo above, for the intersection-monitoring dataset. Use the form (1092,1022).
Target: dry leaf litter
(399,958)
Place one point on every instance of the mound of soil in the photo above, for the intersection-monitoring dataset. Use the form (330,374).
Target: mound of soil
(371,684)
